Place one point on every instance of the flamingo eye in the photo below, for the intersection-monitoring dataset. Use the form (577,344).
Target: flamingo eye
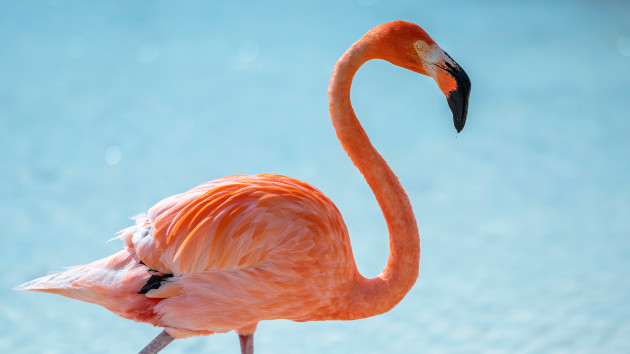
(419,45)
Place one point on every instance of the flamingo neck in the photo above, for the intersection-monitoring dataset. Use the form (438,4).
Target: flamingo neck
(369,297)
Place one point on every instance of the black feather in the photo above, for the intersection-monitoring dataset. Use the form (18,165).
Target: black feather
(154,283)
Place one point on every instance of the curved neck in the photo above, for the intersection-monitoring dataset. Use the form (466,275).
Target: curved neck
(368,297)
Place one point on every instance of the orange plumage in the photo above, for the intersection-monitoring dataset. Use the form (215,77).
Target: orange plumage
(241,249)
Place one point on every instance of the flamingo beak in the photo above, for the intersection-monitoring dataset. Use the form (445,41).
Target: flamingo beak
(455,84)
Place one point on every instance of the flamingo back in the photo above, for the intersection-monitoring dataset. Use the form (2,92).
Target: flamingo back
(237,222)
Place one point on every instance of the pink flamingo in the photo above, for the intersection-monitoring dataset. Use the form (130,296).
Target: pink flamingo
(241,249)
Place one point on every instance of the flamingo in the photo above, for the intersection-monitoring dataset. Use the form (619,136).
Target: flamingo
(237,250)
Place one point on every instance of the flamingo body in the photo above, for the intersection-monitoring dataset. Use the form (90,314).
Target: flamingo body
(241,249)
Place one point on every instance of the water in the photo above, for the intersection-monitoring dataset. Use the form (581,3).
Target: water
(106,108)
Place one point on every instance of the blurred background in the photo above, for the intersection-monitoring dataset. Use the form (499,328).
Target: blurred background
(108,107)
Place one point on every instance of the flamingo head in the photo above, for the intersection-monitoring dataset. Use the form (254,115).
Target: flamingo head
(407,45)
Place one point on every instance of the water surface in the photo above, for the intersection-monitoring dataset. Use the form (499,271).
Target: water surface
(106,108)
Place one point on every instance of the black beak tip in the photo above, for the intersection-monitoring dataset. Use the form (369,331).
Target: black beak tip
(458,100)
(459,121)
(459,128)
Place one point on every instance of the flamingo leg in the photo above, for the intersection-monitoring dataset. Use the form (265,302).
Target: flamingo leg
(158,343)
(247,343)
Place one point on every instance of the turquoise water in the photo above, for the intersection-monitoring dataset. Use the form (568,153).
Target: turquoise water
(106,108)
